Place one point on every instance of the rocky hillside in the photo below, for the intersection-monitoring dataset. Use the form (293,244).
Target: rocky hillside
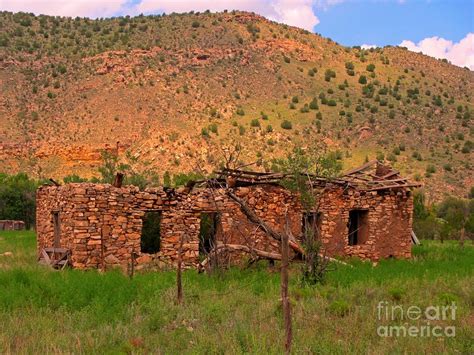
(173,90)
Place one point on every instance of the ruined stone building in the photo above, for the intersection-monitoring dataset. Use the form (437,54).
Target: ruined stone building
(11,225)
(365,213)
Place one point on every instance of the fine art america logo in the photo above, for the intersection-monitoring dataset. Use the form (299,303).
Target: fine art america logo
(430,321)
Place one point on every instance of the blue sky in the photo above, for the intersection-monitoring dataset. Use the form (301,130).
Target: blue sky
(440,28)
(391,22)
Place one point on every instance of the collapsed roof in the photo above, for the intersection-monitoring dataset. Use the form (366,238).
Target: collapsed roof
(371,176)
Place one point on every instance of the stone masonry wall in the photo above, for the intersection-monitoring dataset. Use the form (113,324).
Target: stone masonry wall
(389,222)
(101,224)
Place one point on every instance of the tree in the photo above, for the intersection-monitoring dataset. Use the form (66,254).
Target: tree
(17,198)
(459,214)
(299,167)
(136,173)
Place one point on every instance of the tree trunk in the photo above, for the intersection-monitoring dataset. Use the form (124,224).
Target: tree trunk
(284,293)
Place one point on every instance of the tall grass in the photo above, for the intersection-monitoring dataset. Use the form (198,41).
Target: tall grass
(237,311)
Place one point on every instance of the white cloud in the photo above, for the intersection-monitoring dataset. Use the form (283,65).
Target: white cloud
(73,8)
(295,13)
(368,46)
(460,53)
(292,12)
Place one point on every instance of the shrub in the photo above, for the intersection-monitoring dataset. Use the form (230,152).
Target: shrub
(468,147)
(370,67)
(313,105)
(255,123)
(430,169)
(349,65)
(391,114)
(241,130)
(269,129)
(328,74)
(332,102)
(363,80)
(287,59)
(195,24)
(295,99)
(417,155)
(213,128)
(240,112)
(286,125)
(305,109)
(205,132)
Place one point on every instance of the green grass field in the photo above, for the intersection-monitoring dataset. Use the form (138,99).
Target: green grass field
(236,311)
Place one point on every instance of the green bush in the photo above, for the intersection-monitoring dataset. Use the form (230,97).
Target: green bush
(328,74)
(255,122)
(313,105)
(363,80)
(370,67)
(286,125)
(213,128)
(205,132)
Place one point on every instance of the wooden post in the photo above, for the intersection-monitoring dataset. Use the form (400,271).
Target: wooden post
(462,237)
(284,292)
(132,264)
(179,285)
(57,229)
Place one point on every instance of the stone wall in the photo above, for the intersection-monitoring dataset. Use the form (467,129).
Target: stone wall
(11,225)
(389,222)
(102,225)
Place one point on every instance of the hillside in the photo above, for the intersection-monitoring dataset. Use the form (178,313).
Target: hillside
(173,90)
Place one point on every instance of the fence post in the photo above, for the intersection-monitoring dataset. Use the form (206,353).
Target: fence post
(284,292)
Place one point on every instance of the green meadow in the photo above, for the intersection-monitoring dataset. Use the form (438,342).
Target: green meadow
(234,311)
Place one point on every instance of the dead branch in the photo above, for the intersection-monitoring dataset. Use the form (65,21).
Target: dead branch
(252,217)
